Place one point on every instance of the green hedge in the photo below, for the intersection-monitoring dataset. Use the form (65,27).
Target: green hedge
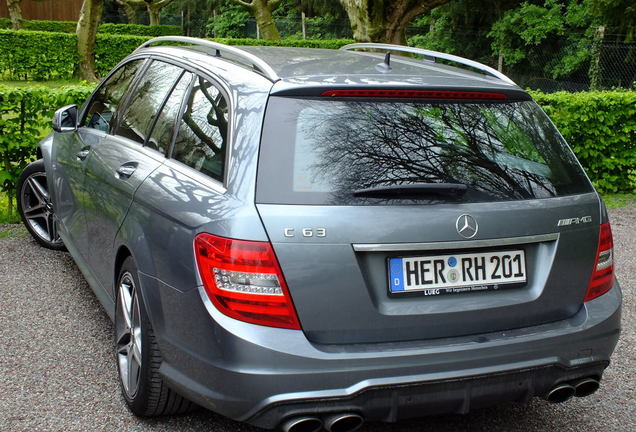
(37,55)
(110,28)
(140,30)
(25,117)
(52,55)
(601,129)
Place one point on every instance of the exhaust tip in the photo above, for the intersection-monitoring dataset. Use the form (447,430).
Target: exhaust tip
(586,387)
(560,393)
(302,424)
(343,422)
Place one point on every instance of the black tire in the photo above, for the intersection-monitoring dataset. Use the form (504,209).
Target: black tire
(34,206)
(151,397)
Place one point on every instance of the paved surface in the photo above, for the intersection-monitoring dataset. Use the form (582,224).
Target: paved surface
(57,370)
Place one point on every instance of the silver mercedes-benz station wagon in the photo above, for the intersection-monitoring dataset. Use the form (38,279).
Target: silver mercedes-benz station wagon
(306,238)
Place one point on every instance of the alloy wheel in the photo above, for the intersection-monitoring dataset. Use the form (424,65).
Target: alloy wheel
(128,335)
(38,210)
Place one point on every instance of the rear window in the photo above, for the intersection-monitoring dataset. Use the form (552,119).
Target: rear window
(322,151)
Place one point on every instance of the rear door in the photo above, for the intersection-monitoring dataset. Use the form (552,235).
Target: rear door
(402,220)
(126,156)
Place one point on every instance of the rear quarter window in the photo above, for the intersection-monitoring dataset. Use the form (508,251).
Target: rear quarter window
(202,135)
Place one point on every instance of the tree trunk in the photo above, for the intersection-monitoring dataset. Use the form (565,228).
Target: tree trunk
(262,11)
(15,13)
(380,21)
(89,18)
(129,10)
(594,73)
(154,13)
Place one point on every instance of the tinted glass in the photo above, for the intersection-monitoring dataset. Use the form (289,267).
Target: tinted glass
(146,100)
(103,105)
(320,152)
(202,135)
(161,135)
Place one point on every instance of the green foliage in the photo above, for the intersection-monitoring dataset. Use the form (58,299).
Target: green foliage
(601,129)
(71,26)
(25,117)
(139,30)
(37,55)
(49,55)
(562,31)
(110,49)
(230,23)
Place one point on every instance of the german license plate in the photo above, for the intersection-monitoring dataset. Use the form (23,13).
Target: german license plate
(457,273)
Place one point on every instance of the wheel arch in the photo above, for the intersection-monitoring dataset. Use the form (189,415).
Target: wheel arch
(131,241)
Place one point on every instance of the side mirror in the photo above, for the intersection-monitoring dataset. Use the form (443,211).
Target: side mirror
(65,119)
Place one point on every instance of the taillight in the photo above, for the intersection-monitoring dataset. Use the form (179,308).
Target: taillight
(244,281)
(603,274)
(414,94)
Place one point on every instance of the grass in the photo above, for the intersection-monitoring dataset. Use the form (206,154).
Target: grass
(615,201)
(5,218)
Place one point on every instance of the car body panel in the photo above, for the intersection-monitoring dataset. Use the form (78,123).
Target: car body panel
(111,195)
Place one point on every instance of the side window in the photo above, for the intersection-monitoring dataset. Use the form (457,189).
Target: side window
(161,135)
(146,100)
(202,135)
(102,107)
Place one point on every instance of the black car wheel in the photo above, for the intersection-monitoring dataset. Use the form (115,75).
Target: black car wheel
(35,208)
(137,353)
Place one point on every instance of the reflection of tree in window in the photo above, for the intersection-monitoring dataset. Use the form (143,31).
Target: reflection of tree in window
(503,151)
(103,106)
(202,135)
(161,135)
(149,94)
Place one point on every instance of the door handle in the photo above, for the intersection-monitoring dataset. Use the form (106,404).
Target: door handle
(83,154)
(126,170)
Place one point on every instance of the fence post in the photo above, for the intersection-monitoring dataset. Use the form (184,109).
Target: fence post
(302,24)
(500,62)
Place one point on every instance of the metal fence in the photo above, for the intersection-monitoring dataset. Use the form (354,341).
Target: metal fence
(616,68)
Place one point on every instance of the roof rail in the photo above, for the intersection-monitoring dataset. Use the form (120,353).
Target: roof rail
(251,60)
(434,54)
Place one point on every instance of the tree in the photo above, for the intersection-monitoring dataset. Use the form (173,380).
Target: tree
(153,6)
(89,18)
(262,11)
(15,13)
(385,21)
(129,10)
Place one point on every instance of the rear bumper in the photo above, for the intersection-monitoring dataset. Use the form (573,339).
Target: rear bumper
(263,375)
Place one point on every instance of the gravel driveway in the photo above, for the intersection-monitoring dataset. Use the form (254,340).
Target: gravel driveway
(57,370)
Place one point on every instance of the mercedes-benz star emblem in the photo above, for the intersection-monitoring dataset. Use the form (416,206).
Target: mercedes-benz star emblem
(466,226)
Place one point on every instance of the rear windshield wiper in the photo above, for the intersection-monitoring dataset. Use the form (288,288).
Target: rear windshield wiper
(412,189)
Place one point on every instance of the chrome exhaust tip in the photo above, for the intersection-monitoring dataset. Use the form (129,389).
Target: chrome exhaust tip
(302,424)
(347,422)
(585,386)
(560,393)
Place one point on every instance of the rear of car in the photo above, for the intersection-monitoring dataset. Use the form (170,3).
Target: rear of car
(430,251)
(333,240)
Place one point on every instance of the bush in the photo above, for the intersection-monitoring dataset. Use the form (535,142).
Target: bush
(25,117)
(140,30)
(109,28)
(110,49)
(601,129)
(37,55)
(50,55)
